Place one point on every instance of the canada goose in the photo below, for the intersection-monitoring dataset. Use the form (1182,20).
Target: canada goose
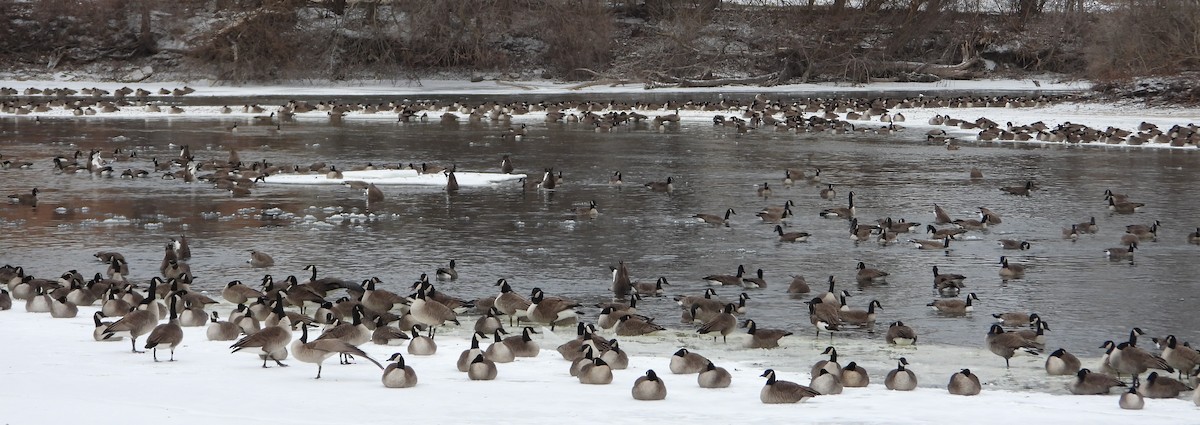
(1088,227)
(220,330)
(489,322)
(798,285)
(522,345)
(422,345)
(1194,237)
(715,219)
(238,293)
(846,212)
(621,286)
(586,358)
(828,192)
(259,259)
(854,376)
(1071,233)
(900,378)
(988,217)
(397,374)
(940,216)
(1007,344)
(652,289)
(167,334)
(1181,357)
(447,273)
(616,358)
(666,186)
(931,244)
(1143,232)
(724,279)
(870,275)
(649,387)
(99,333)
(774,217)
(831,365)
(1014,319)
(1132,360)
(824,316)
(387,335)
(791,236)
(1119,254)
(1060,362)
(763,338)
(826,383)
(615,179)
(756,281)
(860,317)
(1091,383)
(550,310)
(1011,270)
(724,323)
(1018,190)
(779,391)
(585,213)
(431,313)
(60,308)
(972,224)
(272,341)
(481,369)
(949,232)
(135,323)
(597,373)
(1131,400)
(685,362)
(510,303)
(763,191)
(630,325)
(790,176)
(1014,244)
(506,165)
(1158,386)
(1124,207)
(713,377)
(954,306)
(900,334)
(465,357)
(29,199)
(321,349)
(963,383)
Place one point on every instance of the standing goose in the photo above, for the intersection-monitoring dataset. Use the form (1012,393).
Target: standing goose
(1007,344)
(447,273)
(99,333)
(715,219)
(220,330)
(791,236)
(649,387)
(1181,357)
(724,323)
(779,391)
(870,275)
(963,383)
(323,348)
(955,306)
(763,338)
(168,334)
(550,310)
(824,316)
(272,341)
(1130,359)
(1131,400)
(1090,383)
(855,376)
(900,378)
(685,362)
(422,345)
(522,345)
(714,377)
(1158,386)
(510,303)
(900,334)
(1011,270)
(481,369)
(135,323)
(1060,362)
(597,373)
(431,313)
(397,374)
(846,212)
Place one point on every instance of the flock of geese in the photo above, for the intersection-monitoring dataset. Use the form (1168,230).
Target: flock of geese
(272,322)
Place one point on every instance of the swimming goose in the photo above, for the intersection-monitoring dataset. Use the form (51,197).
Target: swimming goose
(779,391)
(972,224)
(220,330)
(826,383)
(787,205)
(1092,383)
(931,244)
(481,369)
(1071,233)
(954,306)
(1118,254)
(135,323)
(1014,244)
(586,213)
(99,333)
(1131,400)
(183,250)
(272,341)
(1008,344)
(900,334)
(168,334)
(798,285)
(685,362)
(29,199)
(947,284)
(550,310)
(652,289)
(447,273)
(940,215)
(1018,190)
(828,192)
(870,275)
(621,285)
(831,365)
(715,219)
(949,232)
(666,186)
(854,376)
(774,217)
(790,176)
(900,378)
(1088,227)
(724,279)
(1194,237)
(859,317)
(963,383)
(713,377)
(615,179)
(259,259)
(846,212)
(397,374)
(1143,232)
(649,387)
(1158,386)
(763,191)
(1011,270)
(1015,319)
(756,281)
(791,236)
(988,217)
(1060,362)
(506,165)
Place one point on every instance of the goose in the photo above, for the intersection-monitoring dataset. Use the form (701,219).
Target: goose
(831,365)
(192,315)
(949,232)
(963,383)
(271,341)
(169,334)
(552,310)
(498,351)
(397,374)
(1124,207)
(422,345)
(988,217)
(621,285)
(616,358)
(1011,270)
(826,383)
(715,219)
(1018,190)
(763,338)
(1060,362)
(824,316)
(828,192)
(666,186)
(944,243)
(763,191)
(99,333)
(481,369)
(846,212)
(183,250)
(900,334)
(1014,244)
(135,323)
(1130,359)
(649,387)
(787,206)
(954,306)
(1131,400)
(238,293)
(724,279)
(651,289)
(374,193)
(1071,233)
(259,259)
(387,335)
(1088,227)
(860,317)
(1008,344)
(29,199)
(1092,383)
(586,358)
(832,296)
(61,308)
(489,322)
(940,215)
(854,376)
(1194,237)
(506,165)
(972,224)
(870,275)
(798,285)
(779,391)
(1181,357)
(321,349)
(597,373)
(723,323)
(1119,254)
(1014,319)
(447,273)
(686,362)
(586,213)
(431,313)
(948,280)
(630,325)
(220,330)
(615,179)
(713,377)
(900,378)
(755,282)
(774,217)
(790,176)
(1158,386)
(354,333)
(523,345)
(510,303)
(39,301)
(791,236)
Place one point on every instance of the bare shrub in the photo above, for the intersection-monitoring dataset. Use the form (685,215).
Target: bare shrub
(1144,37)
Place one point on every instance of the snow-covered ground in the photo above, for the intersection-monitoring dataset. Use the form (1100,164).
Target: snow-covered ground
(55,373)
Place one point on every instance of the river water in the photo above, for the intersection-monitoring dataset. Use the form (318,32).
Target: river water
(532,239)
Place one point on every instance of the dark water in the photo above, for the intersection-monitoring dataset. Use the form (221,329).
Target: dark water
(532,240)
